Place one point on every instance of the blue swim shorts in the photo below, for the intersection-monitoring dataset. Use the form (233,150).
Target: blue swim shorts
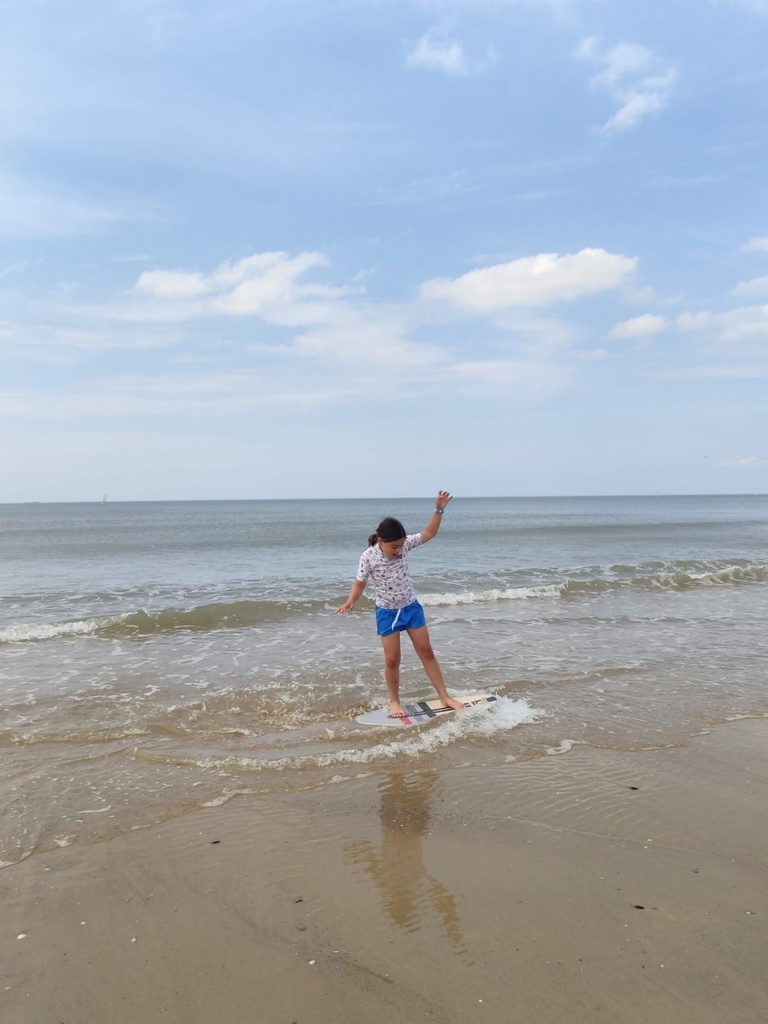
(393,620)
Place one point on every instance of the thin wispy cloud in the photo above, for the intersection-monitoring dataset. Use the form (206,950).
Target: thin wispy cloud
(533,378)
(644,326)
(712,372)
(435,54)
(34,208)
(179,395)
(756,288)
(440,186)
(755,6)
(759,244)
(696,181)
(746,462)
(455,183)
(744,324)
(62,343)
(637,80)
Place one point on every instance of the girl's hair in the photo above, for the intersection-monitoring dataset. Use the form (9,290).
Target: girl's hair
(388,529)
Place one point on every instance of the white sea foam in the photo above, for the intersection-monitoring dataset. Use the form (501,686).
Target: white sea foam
(227,795)
(48,631)
(503,715)
(731,574)
(495,594)
(564,747)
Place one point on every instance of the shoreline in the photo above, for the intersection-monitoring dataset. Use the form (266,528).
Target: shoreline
(596,886)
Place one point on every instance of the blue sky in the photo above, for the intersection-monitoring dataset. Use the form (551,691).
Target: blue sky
(329,249)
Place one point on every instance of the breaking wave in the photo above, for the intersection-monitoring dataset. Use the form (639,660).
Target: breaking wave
(246,614)
(141,623)
(655,576)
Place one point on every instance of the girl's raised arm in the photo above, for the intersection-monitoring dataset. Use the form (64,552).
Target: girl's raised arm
(429,531)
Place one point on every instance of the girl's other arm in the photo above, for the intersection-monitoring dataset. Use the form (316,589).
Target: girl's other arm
(429,531)
(354,596)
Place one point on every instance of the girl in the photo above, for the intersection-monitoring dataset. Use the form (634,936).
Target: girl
(386,560)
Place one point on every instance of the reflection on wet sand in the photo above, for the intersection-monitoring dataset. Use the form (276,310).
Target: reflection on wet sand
(408,892)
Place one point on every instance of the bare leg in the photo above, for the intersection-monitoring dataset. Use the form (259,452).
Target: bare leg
(391,645)
(422,646)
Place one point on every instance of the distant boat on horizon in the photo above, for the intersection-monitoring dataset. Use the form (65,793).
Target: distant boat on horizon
(104,500)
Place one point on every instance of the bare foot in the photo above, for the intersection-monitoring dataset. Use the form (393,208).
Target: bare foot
(451,702)
(396,710)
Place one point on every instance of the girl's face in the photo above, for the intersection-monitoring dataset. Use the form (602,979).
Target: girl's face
(391,548)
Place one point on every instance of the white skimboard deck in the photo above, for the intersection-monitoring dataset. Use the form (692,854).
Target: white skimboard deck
(423,711)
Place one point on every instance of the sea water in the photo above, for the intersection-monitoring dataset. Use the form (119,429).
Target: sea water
(161,657)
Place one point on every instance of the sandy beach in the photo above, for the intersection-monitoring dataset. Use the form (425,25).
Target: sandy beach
(598,886)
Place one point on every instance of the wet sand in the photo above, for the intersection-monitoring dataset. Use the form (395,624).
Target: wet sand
(596,886)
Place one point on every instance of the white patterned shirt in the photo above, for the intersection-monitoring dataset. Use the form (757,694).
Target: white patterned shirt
(391,576)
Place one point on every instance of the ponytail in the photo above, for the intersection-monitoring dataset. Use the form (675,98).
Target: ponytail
(388,529)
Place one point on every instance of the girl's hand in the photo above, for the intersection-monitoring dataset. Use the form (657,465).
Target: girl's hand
(442,499)
(354,595)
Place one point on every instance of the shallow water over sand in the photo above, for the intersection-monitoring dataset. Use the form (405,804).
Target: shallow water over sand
(155,658)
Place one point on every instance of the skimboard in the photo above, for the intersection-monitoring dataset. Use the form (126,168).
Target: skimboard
(422,712)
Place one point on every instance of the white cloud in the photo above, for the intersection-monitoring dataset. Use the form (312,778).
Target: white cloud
(688,322)
(364,335)
(268,279)
(638,80)
(435,55)
(308,318)
(172,284)
(640,327)
(757,288)
(311,344)
(745,323)
(264,284)
(297,390)
(316,321)
(62,344)
(520,377)
(240,288)
(747,461)
(536,334)
(533,280)
(212,394)
(759,244)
